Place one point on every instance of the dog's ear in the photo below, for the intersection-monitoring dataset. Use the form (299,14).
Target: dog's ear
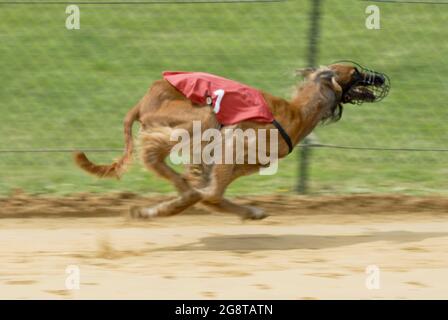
(326,75)
(329,77)
(337,88)
(305,72)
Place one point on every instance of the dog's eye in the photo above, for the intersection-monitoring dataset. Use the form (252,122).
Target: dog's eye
(357,75)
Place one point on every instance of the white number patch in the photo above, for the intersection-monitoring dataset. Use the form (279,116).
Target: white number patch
(220,94)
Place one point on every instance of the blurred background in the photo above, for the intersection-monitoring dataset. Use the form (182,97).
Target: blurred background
(70,89)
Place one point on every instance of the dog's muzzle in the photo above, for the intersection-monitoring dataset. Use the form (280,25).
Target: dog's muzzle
(368,86)
(378,83)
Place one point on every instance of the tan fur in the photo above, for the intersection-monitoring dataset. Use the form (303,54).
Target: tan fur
(163,109)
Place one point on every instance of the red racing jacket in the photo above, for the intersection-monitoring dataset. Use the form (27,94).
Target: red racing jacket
(232,101)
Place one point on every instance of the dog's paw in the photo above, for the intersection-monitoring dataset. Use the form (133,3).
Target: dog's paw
(255,214)
(142,213)
(134,212)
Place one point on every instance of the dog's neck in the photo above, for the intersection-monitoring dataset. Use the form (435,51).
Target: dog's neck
(304,112)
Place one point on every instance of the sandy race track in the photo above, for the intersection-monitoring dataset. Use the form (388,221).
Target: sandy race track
(309,248)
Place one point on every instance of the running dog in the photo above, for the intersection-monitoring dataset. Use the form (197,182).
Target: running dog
(170,105)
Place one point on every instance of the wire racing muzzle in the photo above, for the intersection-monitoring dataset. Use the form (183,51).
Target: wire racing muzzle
(366,86)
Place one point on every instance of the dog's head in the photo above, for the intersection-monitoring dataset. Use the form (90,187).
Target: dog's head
(351,83)
(358,84)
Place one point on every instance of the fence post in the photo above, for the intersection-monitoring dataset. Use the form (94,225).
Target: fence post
(313,39)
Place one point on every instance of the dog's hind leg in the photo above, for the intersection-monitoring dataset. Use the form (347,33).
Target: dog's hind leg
(188,195)
(168,208)
(213,195)
(156,146)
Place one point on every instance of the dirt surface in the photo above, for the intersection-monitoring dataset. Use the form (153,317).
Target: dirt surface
(309,248)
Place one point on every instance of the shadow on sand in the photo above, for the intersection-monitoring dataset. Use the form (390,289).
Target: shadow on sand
(255,242)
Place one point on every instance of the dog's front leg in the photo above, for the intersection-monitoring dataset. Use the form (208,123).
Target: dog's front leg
(213,195)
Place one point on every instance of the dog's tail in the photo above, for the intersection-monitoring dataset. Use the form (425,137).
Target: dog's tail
(116,169)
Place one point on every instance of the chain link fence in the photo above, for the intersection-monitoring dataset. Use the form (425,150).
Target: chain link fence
(64,89)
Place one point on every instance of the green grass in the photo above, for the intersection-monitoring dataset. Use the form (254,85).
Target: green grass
(61,88)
